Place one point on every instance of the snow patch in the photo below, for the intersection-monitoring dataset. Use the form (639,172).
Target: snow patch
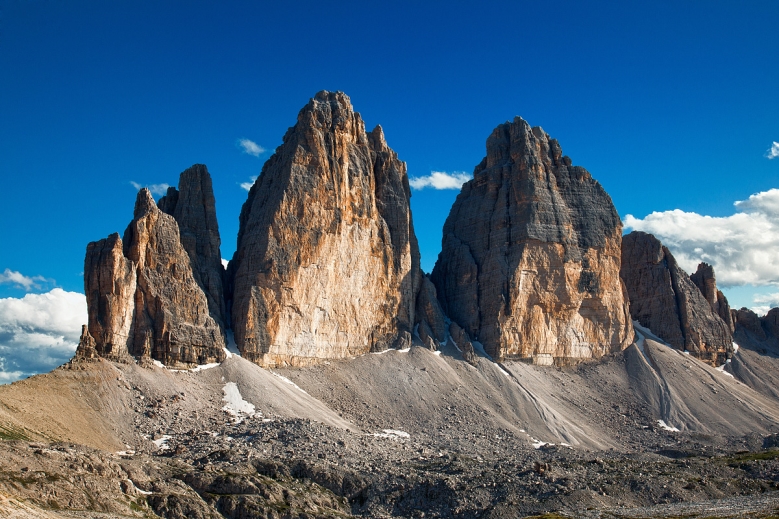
(537,444)
(437,352)
(721,369)
(406,350)
(231,348)
(666,427)
(235,404)
(162,442)
(288,381)
(393,434)
(735,348)
(480,348)
(158,364)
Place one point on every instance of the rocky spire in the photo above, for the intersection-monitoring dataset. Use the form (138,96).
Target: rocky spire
(664,299)
(531,252)
(142,297)
(194,208)
(327,263)
(706,282)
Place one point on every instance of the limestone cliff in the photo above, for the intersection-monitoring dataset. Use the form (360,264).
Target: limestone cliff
(531,254)
(664,299)
(706,282)
(327,263)
(194,208)
(142,297)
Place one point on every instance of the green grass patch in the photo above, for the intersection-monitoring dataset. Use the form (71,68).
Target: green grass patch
(8,433)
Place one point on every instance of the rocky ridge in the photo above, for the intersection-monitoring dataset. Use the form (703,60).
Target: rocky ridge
(530,255)
(327,263)
(680,310)
(142,296)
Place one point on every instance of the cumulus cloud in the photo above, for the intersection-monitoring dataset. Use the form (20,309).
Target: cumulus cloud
(742,247)
(251,147)
(38,332)
(156,189)
(764,302)
(19,280)
(440,180)
(773,151)
(248,185)
(225,263)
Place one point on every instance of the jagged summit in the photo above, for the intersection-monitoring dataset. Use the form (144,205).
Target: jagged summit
(142,296)
(530,254)
(674,306)
(327,263)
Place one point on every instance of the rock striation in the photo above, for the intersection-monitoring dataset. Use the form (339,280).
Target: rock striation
(530,255)
(706,282)
(327,263)
(142,296)
(194,208)
(666,300)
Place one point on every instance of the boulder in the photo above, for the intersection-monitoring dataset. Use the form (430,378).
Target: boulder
(664,299)
(531,254)
(327,263)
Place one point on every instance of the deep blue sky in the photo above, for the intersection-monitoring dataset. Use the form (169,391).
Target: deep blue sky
(667,105)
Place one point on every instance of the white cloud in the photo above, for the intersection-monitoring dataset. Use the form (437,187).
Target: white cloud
(742,247)
(225,263)
(38,332)
(156,189)
(248,185)
(440,180)
(19,280)
(773,151)
(251,147)
(764,302)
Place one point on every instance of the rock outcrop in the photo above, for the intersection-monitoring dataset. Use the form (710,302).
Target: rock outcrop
(142,296)
(664,299)
(706,282)
(463,343)
(429,315)
(327,263)
(531,255)
(759,331)
(194,208)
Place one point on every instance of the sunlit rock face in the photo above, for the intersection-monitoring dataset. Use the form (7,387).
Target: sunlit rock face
(327,263)
(665,299)
(531,255)
(142,297)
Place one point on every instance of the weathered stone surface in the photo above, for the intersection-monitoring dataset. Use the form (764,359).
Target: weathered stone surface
(424,332)
(664,299)
(327,263)
(748,320)
(463,343)
(531,254)
(142,297)
(194,208)
(109,283)
(86,345)
(429,312)
(705,280)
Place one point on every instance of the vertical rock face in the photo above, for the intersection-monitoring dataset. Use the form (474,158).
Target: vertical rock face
(758,329)
(194,208)
(142,297)
(706,282)
(327,263)
(531,254)
(429,314)
(664,299)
